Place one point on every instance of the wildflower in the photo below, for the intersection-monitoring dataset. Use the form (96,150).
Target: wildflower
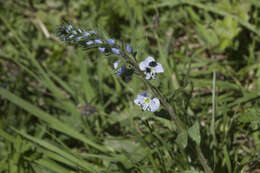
(98,42)
(74,32)
(101,49)
(78,38)
(89,43)
(150,67)
(120,70)
(69,28)
(85,34)
(146,102)
(79,30)
(111,41)
(115,51)
(92,32)
(71,36)
(128,48)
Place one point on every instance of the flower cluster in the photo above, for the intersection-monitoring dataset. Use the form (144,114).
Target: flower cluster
(91,39)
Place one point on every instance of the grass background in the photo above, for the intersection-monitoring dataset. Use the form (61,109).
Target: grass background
(62,109)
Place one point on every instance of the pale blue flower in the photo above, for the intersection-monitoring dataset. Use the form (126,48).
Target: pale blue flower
(79,30)
(120,70)
(69,28)
(146,102)
(85,34)
(150,67)
(98,42)
(101,49)
(78,38)
(128,48)
(115,51)
(74,32)
(111,41)
(71,36)
(89,43)
(92,32)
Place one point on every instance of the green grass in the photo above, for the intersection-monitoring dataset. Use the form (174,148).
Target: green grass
(62,108)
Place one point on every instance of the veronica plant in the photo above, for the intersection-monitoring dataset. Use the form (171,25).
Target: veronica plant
(146,69)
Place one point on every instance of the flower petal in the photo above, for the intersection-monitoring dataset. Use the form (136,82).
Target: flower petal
(143,65)
(85,34)
(121,70)
(158,68)
(139,100)
(111,41)
(154,105)
(69,28)
(74,32)
(115,51)
(98,42)
(149,59)
(89,43)
(146,106)
(101,49)
(116,64)
(78,38)
(128,48)
(147,75)
(92,32)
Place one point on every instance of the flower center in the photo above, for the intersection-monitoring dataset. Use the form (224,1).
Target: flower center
(148,70)
(153,64)
(147,100)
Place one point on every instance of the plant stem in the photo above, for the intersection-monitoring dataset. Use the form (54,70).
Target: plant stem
(179,124)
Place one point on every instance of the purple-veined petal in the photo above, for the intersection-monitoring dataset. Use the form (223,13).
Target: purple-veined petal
(158,68)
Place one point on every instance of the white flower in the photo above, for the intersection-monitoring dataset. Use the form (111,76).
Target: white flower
(146,102)
(150,67)
(120,70)
(115,51)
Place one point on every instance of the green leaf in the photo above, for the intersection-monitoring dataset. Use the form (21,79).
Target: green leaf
(250,115)
(58,151)
(207,35)
(194,132)
(191,171)
(182,139)
(50,120)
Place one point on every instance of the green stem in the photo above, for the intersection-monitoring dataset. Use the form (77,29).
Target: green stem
(179,124)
